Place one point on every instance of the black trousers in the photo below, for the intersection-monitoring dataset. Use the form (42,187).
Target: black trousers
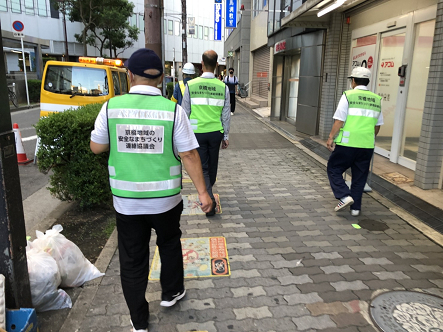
(209,150)
(232,100)
(359,160)
(134,233)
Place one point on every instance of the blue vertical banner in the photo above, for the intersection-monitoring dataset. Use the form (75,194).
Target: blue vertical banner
(231,13)
(217,20)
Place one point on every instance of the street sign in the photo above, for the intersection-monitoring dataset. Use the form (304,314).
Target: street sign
(19,34)
(18,26)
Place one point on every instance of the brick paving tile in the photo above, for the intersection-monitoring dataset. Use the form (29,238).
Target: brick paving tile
(295,263)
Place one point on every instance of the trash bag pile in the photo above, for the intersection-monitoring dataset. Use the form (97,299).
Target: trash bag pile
(54,261)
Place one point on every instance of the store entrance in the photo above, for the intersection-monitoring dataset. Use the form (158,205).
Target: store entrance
(407,45)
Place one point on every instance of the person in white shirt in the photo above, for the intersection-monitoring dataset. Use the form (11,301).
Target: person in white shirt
(232,82)
(148,137)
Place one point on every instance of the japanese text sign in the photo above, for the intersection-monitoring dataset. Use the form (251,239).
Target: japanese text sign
(231,13)
(217,21)
(140,138)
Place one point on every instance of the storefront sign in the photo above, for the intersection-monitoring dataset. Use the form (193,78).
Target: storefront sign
(262,74)
(231,13)
(280,47)
(217,21)
(230,53)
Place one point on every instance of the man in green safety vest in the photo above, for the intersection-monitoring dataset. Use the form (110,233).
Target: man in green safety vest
(206,102)
(357,122)
(148,137)
(179,89)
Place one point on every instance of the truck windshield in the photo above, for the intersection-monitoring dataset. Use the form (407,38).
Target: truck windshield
(80,81)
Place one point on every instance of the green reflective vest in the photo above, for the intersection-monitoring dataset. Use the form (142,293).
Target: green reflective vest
(207,102)
(142,163)
(363,112)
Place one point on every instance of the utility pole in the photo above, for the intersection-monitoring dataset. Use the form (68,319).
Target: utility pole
(153,25)
(65,31)
(13,263)
(184,41)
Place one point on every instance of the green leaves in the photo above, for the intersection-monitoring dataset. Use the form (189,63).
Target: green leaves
(76,173)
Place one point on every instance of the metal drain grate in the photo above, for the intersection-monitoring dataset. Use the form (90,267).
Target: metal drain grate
(404,311)
(373,225)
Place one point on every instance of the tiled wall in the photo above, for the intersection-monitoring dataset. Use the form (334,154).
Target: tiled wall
(430,149)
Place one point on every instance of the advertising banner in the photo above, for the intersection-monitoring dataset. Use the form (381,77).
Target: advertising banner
(363,56)
(217,21)
(231,13)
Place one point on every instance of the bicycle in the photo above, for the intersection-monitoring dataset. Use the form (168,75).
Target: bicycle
(12,96)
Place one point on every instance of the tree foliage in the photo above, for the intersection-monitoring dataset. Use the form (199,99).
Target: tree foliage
(105,23)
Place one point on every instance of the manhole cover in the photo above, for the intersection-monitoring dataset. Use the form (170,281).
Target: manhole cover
(372,225)
(407,311)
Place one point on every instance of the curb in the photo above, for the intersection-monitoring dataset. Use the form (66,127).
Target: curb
(400,212)
(21,108)
(90,288)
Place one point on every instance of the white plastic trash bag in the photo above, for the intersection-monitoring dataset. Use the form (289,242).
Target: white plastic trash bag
(44,278)
(74,268)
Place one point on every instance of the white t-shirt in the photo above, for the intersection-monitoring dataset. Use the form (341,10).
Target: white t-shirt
(184,140)
(342,109)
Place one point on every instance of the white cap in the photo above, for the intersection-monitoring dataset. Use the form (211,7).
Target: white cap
(188,68)
(360,72)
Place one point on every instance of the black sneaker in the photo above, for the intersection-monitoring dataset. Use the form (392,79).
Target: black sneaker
(212,212)
(169,301)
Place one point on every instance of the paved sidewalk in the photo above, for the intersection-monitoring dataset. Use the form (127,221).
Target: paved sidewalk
(296,264)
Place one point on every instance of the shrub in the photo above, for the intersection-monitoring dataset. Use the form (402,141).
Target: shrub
(170,89)
(77,174)
(34,87)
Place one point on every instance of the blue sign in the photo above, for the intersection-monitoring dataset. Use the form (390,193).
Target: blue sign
(231,13)
(217,21)
(18,26)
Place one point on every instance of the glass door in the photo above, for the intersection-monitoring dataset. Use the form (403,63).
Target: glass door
(392,46)
(419,72)
(292,93)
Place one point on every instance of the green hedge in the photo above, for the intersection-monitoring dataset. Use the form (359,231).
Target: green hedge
(76,173)
(170,89)
(34,87)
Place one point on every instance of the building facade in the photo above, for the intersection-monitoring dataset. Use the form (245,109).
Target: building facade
(44,33)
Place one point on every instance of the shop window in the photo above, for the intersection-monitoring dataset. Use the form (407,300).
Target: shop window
(42,9)
(165,26)
(29,7)
(170,27)
(200,32)
(206,35)
(271,15)
(3,6)
(211,33)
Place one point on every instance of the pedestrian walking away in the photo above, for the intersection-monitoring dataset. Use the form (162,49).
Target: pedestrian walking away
(206,102)
(232,82)
(357,122)
(179,89)
(147,137)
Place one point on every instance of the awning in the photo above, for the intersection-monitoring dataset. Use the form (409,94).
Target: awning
(305,16)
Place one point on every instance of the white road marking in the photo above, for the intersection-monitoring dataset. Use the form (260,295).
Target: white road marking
(30,138)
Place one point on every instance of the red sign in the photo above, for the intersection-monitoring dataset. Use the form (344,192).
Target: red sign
(370,62)
(280,46)
(262,74)
(387,64)
(18,26)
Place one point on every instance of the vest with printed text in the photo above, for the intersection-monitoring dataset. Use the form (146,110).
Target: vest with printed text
(142,163)
(363,113)
(207,102)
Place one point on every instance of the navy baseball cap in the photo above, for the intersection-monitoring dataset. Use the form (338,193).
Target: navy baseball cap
(144,59)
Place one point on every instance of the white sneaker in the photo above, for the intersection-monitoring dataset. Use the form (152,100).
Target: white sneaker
(232,113)
(344,202)
(171,300)
(134,330)
(355,213)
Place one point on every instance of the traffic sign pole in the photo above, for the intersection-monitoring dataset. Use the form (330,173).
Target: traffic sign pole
(24,70)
